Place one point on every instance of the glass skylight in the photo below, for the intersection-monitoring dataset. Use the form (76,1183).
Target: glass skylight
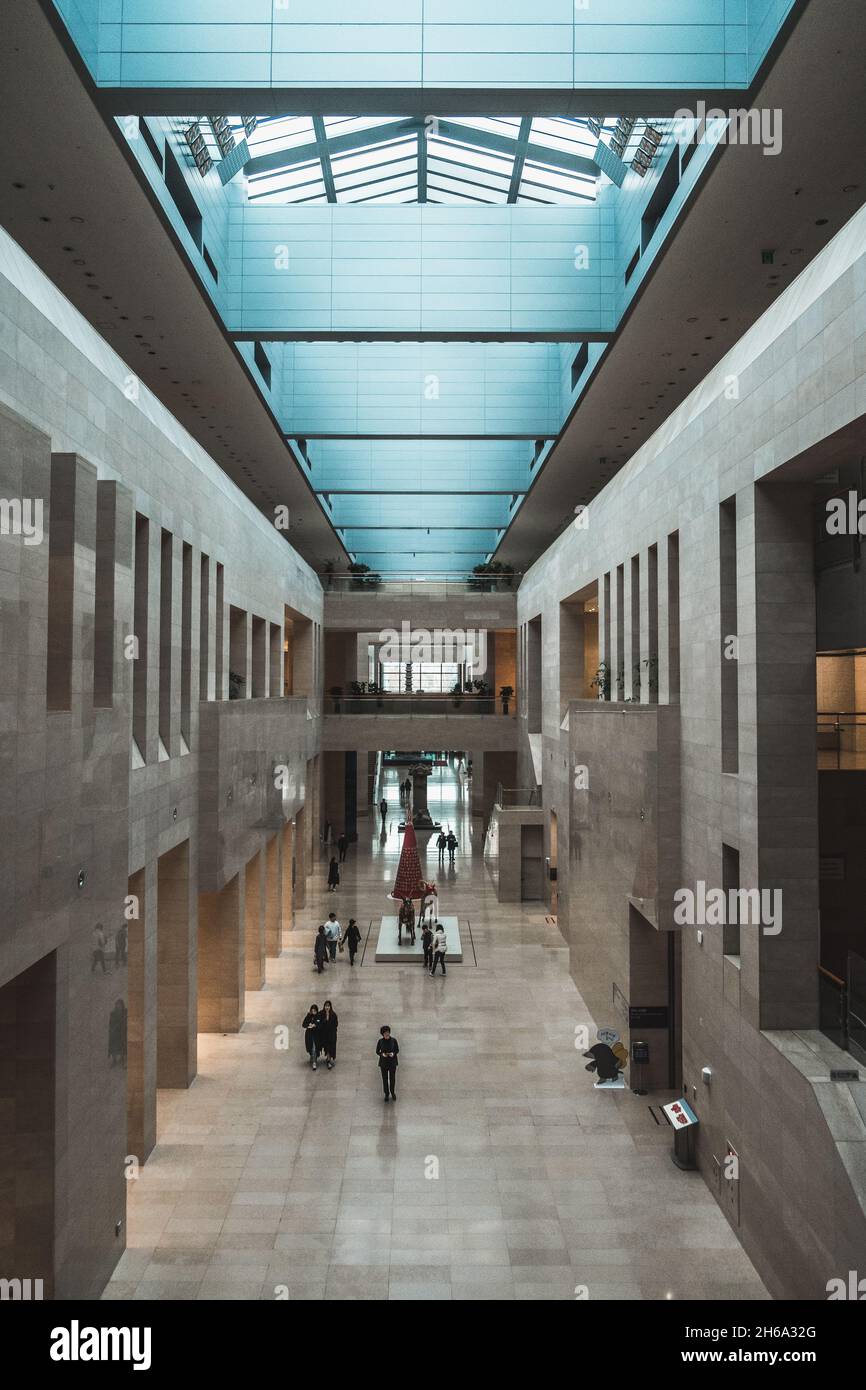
(454,160)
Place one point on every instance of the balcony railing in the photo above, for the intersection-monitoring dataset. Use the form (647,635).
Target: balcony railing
(421,586)
(842,1007)
(426,703)
(842,739)
(509,797)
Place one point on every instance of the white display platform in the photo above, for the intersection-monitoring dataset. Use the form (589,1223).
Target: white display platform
(388,950)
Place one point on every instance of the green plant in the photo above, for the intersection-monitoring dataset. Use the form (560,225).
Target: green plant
(484,576)
(505,695)
(236,685)
(601,681)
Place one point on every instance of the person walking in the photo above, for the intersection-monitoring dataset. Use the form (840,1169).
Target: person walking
(439,947)
(386,1050)
(327,1039)
(310,1025)
(452,845)
(333,875)
(99,943)
(352,939)
(320,949)
(427,943)
(342,846)
(441,844)
(383,811)
(332,935)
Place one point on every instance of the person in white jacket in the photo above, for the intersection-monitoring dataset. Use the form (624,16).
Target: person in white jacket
(440,946)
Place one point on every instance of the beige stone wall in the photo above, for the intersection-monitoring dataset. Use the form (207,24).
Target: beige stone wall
(135,835)
(757,447)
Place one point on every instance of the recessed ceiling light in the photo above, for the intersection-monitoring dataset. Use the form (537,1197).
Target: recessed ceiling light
(692,320)
(850,187)
(822,221)
(77,220)
(45,219)
(19,185)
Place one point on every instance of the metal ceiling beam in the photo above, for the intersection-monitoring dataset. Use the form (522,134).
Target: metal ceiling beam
(422,165)
(337,144)
(421,492)
(519,158)
(460,438)
(507,144)
(323,150)
(398,130)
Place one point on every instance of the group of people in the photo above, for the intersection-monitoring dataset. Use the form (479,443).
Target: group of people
(320,1039)
(449,842)
(99,946)
(435,945)
(330,938)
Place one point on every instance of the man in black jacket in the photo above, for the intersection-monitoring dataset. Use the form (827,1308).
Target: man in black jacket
(386,1050)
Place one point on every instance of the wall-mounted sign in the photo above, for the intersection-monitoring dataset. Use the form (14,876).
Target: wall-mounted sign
(648,1016)
(680,1114)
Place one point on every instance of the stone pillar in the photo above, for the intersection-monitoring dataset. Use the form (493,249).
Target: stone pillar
(287,912)
(254,923)
(176,971)
(221,959)
(141,1022)
(299,842)
(273,897)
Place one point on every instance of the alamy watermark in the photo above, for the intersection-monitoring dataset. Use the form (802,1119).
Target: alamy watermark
(846,516)
(22,516)
(719,907)
(438,644)
(760,126)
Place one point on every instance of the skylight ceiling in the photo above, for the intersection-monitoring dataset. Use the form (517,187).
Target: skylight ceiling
(528,161)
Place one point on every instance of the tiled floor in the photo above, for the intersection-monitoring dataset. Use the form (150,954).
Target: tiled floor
(498,1174)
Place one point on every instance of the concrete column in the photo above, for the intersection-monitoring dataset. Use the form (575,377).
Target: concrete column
(273,897)
(176,971)
(28,1107)
(254,923)
(221,959)
(287,905)
(299,841)
(141,1022)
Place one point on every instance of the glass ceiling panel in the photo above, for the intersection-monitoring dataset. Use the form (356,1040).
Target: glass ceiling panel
(493,160)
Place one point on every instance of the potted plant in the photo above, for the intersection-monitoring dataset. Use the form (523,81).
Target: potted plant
(485,576)
(373,689)
(457,692)
(358,573)
(336,693)
(236,685)
(505,695)
(601,682)
(330,571)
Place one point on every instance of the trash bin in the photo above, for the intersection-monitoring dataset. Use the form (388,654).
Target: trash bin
(684,1148)
(684,1122)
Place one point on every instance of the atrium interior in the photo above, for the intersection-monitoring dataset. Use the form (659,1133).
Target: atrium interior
(437,495)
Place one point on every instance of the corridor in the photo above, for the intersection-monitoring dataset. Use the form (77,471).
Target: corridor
(499,1174)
